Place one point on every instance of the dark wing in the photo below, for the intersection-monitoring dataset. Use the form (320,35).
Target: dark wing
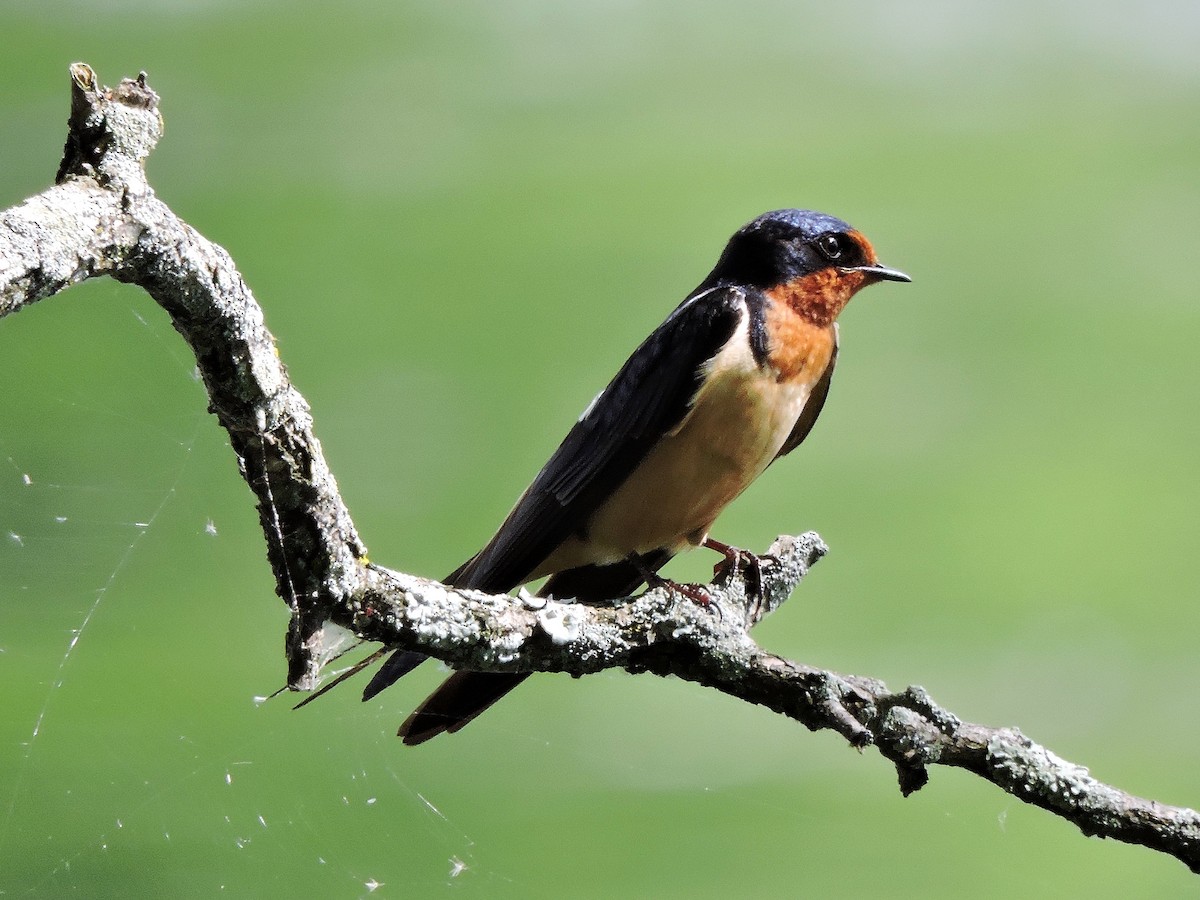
(649,396)
(812,409)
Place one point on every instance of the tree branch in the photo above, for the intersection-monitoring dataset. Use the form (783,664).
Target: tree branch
(102,218)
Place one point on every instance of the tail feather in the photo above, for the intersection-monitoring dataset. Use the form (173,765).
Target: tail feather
(402,662)
(458,700)
(464,695)
(396,667)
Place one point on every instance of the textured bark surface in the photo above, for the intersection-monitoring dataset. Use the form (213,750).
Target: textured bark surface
(102,218)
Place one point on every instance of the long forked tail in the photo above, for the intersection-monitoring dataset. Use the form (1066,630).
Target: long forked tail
(464,695)
(458,700)
(394,668)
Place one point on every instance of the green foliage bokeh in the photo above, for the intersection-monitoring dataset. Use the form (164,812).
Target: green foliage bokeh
(459,219)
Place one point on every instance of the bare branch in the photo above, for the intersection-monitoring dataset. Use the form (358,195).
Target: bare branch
(102,218)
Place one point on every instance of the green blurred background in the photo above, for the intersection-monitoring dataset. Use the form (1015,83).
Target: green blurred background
(460,218)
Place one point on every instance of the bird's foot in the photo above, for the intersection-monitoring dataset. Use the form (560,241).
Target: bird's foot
(736,561)
(694,592)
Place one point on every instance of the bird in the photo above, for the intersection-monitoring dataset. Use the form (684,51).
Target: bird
(731,381)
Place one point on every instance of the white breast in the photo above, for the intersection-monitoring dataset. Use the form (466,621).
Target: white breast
(739,420)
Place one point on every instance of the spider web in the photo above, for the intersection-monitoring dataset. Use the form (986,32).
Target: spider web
(139,633)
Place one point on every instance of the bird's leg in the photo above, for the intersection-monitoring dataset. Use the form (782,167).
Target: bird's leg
(693,592)
(738,560)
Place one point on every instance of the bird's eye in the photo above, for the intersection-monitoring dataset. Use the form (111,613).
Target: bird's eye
(831,246)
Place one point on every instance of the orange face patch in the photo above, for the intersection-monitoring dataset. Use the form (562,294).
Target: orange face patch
(868,251)
(818,297)
(799,348)
(802,311)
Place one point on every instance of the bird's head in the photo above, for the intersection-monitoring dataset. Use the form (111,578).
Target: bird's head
(812,261)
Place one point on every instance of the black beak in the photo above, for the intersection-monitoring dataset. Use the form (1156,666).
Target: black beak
(883,273)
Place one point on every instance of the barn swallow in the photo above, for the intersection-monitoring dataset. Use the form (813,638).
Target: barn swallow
(731,381)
